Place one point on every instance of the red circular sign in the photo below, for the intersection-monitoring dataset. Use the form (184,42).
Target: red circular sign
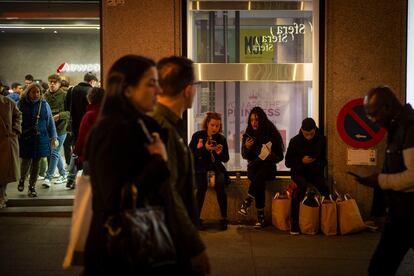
(355,128)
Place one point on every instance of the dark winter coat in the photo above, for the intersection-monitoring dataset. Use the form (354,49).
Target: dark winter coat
(117,155)
(38,145)
(77,103)
(252,155)
(183,211)
(400,138)
(300,147)
(203,157)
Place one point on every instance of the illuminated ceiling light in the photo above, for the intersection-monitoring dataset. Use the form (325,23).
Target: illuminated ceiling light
(55,32)
(54,27)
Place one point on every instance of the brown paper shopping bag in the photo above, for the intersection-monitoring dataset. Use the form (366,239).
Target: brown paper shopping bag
(81,219)
(309,216)
(350,220)
(329,216)
(281,205)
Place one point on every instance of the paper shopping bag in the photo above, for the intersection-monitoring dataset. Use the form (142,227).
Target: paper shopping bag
(281,205)
(329,217)
(309,215)
(81,219)
(350,220)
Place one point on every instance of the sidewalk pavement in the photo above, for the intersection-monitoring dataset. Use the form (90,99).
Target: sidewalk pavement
(36,246)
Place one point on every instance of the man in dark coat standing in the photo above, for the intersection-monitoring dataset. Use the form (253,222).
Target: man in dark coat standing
(77,103)
(306,157)
(396,179)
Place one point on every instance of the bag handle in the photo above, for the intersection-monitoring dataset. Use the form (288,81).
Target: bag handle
(347,196)
(129,196)
(315,198)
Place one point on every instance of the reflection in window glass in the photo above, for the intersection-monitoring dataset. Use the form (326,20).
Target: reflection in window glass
(261,37)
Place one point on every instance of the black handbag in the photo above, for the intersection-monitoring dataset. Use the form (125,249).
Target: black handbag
(139,236)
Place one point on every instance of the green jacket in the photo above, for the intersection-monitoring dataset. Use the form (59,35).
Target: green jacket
(184,211)
(56,100)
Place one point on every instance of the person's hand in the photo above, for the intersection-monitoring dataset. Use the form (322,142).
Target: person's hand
(219,149)
(157,146)
(307,159)
(209,146)
(56,117)
(201,263)
(54,143)
(200,143)
(249,143)
(369,181)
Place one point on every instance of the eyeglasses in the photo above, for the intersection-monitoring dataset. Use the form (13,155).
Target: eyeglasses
(196,83)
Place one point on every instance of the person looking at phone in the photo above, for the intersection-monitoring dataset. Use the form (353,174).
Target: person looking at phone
(306,158)
(210,150)
(396,179)
(262,147)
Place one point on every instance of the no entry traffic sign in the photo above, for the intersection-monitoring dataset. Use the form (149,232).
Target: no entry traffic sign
(355,128)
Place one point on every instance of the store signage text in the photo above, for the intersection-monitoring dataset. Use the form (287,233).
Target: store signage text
(79,67)
(277,34)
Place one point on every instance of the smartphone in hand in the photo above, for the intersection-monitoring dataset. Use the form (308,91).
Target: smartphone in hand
(248,136)
(149,138)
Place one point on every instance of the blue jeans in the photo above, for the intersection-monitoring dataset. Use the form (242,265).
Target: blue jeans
(56,159)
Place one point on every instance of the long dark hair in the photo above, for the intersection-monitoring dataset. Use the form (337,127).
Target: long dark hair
(125,72)
(266,128)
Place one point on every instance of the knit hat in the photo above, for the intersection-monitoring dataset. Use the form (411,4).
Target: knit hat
(308,124)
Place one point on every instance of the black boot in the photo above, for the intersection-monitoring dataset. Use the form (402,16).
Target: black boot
(245,206)
(32,191)
(260,219)
(20,187)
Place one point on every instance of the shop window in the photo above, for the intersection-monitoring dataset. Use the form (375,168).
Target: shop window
(253,53)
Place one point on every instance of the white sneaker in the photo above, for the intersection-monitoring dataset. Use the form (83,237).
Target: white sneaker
(60,180)
(40,177)
(46,183)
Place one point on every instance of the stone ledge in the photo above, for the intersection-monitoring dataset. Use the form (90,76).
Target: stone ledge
(236,193)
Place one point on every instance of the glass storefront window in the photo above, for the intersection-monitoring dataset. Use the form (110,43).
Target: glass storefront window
(253,53)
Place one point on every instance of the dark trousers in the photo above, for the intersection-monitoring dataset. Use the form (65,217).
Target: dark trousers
(220,188)
(257,187)
(302,183)
(68,147)
(33,165)
(395,241)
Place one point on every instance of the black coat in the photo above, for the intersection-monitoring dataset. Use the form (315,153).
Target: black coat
(77,103)
(400,137)
(117,155)
(203,158)
(256,164)
(299,147)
